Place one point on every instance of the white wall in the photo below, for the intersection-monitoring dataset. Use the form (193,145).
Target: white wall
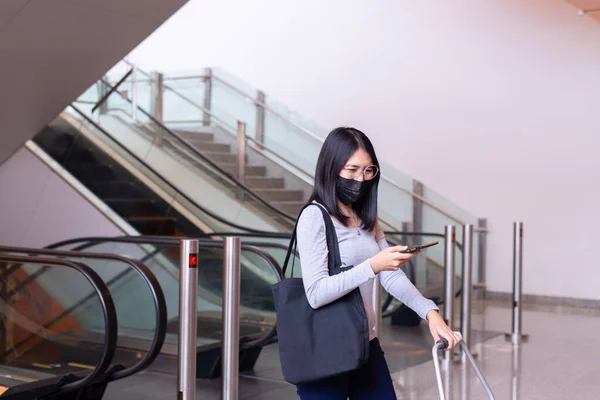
(38,208)
(492,103)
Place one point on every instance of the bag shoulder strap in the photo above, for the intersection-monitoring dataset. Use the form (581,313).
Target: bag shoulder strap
(334,258)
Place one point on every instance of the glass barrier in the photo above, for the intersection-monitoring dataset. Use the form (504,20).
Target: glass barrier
(257,310)
(156,161)
(42,328)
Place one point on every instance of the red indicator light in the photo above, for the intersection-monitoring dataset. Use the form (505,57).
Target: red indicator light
(193,262)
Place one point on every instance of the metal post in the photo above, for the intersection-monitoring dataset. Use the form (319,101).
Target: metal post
(157,96)
(449,262)
(418,188)
(241,156)
(188,320)
(260,117)
(133,95)
(516,372)
(467,284)
(517,336)
(102,91)
(231,315)
(481,253)
(408,240)
(207,96)
(407,226)
(377,303)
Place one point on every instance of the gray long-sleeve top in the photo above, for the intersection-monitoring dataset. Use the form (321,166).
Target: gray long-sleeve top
(357,246)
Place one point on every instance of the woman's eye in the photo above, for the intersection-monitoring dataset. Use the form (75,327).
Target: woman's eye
(351,170)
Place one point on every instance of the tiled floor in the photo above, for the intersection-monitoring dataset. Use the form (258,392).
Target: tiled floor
(561,360)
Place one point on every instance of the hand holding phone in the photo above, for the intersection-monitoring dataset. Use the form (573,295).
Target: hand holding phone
(419,247)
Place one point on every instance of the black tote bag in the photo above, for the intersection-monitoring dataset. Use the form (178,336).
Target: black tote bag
(319,343)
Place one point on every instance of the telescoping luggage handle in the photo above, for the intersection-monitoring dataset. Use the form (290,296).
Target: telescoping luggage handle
(442,344)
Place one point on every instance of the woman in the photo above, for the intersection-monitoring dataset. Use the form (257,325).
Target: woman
(346,181)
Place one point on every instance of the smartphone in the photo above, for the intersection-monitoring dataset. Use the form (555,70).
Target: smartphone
(420,247)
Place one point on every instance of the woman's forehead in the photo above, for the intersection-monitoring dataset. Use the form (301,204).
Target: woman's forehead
(360,158)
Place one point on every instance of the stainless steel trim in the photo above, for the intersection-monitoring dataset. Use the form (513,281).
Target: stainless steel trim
(260,118)
(231,318)
(207,96)
(417,213)
(188,319)
(134,106)
(449,276)
(241,152)
(481,250)
(517,336)
(467,280)
(157,95)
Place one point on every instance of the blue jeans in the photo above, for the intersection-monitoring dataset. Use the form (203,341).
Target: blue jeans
(371,381)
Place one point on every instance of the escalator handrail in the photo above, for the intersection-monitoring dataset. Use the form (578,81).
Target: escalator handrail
(161,177)
(106,302)
(254,340)
(149,278)
(197,153)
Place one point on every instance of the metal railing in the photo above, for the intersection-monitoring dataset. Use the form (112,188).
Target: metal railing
(167,181)
(191,148)
(311,134)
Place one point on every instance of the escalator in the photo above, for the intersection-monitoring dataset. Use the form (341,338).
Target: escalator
(160,255)
(38,369)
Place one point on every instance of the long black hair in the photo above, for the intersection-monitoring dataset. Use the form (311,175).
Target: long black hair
(339,146)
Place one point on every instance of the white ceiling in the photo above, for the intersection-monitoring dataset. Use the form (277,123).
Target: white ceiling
(52,50)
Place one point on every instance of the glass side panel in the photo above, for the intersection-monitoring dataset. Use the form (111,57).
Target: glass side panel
(229,106)
(41,330)
(297,141)
(256,303)
(190,178)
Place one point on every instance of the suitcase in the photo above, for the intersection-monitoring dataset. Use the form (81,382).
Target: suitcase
(442,344)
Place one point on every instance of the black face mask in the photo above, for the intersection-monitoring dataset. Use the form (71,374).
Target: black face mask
(350,191)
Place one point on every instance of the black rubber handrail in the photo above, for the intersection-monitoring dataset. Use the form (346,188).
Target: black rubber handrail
(160,176)
(106,302)
(158,297)
(214,165)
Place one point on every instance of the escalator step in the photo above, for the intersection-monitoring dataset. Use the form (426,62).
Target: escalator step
(251,170)
(195,136)
(280,195)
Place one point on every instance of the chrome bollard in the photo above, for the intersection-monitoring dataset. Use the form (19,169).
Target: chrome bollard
(231,319)
(188,320)
(467,285)
(450,267)
(517,336)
